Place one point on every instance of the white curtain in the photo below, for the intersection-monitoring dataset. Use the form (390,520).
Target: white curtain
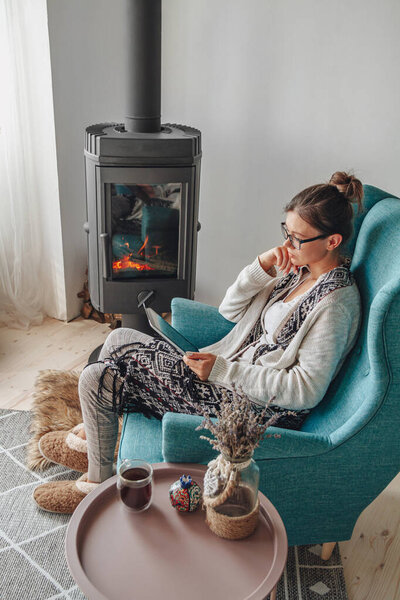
(21,288)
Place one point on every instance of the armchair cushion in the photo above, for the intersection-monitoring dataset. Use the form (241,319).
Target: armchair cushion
(181,441)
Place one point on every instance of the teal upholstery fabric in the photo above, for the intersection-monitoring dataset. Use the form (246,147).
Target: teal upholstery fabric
(147,445)
(200,323)
(372,195)
(181,440)
(348,401)
(321,478)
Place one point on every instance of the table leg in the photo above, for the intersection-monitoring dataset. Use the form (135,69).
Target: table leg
(327,550)
(272,595)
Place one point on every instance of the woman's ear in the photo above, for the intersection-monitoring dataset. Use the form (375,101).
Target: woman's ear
(333,241)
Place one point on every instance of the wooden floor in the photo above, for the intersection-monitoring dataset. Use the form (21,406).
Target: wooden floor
(371,558)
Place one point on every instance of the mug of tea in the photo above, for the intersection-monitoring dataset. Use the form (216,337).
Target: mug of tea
(135,484)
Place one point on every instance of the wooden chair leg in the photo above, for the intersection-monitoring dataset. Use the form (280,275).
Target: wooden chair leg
(327,550)
(272,595)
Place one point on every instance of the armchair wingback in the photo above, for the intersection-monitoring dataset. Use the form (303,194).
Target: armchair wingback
(322,477)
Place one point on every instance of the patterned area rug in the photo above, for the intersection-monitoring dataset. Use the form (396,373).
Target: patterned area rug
(32,560)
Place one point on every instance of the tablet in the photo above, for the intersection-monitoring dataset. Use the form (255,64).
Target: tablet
(169,333)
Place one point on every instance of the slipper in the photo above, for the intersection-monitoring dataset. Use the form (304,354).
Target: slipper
(63,496)
(65,448)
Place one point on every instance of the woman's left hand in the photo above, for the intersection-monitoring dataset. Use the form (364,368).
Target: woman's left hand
(200,363)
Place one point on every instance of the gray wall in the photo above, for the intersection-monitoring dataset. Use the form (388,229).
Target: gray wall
(284,92)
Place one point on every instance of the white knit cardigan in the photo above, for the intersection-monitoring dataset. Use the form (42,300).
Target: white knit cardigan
(299,376)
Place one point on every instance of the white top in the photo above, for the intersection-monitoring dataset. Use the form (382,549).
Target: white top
(299,375)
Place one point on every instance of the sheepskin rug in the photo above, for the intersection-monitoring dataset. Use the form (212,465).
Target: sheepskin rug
(56,407)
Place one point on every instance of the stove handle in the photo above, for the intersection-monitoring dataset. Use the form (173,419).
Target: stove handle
(104,251)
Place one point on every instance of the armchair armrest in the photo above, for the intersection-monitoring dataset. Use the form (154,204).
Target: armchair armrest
(181,442)
(200,323)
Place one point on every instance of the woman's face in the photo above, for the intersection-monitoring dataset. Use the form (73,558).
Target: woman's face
(310,252)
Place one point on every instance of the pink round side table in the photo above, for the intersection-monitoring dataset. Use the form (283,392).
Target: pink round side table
(161,553)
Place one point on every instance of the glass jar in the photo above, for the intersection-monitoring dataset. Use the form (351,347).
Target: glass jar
(242,488)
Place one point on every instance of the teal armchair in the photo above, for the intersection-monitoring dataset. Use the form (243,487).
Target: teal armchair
(322,477)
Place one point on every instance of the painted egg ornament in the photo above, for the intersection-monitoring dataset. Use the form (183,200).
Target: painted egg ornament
(185,494)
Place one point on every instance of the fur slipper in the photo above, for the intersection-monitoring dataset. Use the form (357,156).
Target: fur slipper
(65,448)
(63,496)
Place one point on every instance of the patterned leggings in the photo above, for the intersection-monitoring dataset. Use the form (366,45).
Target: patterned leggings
(138,373)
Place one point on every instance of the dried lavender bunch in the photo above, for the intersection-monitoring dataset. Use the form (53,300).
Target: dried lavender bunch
(238,430)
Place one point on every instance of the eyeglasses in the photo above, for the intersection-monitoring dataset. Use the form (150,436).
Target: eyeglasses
(296,243)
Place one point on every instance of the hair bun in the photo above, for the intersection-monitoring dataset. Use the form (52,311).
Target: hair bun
(348,185)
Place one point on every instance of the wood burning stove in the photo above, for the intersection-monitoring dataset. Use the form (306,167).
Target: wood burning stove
(142,216)
(142,190)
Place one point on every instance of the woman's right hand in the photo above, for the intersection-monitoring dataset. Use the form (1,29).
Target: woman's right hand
(278,256)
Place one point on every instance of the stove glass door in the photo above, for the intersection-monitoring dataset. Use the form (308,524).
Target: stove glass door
(145,225)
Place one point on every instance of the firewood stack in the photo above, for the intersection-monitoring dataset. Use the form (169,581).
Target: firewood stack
(89,312)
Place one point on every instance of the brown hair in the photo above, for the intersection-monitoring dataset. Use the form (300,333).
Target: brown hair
(328,207)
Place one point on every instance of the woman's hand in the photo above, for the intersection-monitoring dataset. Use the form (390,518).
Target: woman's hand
(200,363)
(278,256)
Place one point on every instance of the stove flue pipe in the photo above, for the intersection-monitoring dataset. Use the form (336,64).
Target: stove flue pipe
(143,109)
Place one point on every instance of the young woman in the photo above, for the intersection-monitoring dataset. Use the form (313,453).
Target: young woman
(291,336)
